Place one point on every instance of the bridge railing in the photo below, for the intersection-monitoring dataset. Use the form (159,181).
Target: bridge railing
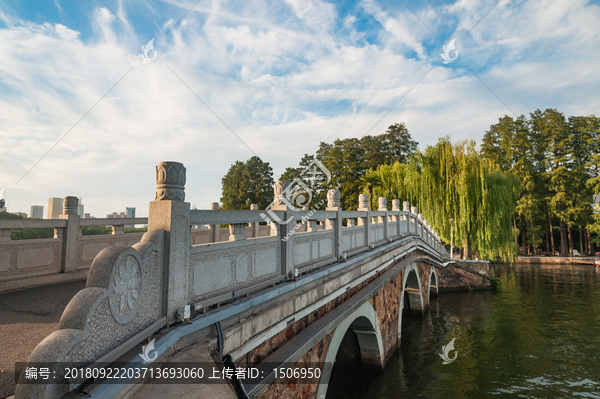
(249,256)
(134,290)
(65,257)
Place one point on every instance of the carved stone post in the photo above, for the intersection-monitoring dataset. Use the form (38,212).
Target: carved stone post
(426,231)
(215,229)
(71,234)
(395,208)
(281,190)
(237,231)
(5,234)
(363,206)
(170,213)
(413,218)
(254,226)
(420,217)
(382,208)
(333,204)
(118,230)
(406,208)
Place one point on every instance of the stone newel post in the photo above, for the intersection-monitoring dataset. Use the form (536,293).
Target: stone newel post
(254,226)
(333,204)
(70,235)
(170,213)
(382,208)
(363,205)
(215,229)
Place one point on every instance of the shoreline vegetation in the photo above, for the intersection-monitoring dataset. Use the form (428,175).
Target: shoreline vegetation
(525,190)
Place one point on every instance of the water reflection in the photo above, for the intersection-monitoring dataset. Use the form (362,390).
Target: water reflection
(538,336)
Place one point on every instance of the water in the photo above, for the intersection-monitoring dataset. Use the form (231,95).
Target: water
(538,336)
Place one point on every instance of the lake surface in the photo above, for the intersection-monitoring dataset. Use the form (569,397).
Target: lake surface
(537,336)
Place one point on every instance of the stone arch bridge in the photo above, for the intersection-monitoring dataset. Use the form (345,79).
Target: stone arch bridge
(286,293)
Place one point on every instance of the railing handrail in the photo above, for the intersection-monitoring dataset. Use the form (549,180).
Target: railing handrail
(112,221)
(31,223)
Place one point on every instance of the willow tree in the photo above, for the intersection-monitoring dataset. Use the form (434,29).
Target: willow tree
(454,181)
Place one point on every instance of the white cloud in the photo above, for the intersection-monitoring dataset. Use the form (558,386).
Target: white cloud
(283,77)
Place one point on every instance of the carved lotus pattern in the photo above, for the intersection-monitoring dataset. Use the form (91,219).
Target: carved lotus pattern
(127,282)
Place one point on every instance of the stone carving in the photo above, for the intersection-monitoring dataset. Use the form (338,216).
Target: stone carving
(170,181)
(125,288)
(406,206)
(414,210)
(253,207)
(382,204)
(420,216)
(333,198)
(363,201)
(214,206)
(70,206)
(395,205)
(280,190)
(105,314)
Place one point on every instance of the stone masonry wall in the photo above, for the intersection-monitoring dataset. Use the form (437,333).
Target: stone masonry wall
(454,278)
(307,388)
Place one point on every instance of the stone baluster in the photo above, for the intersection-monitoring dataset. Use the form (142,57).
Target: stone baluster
(254,226)
(237,231)
(413,216)
(420,231)
(215,229)
(118,230)
(333,204)
(426,228)
(382,208)
(5,234)
(363,206)
(395,208)
(406,208)
(170,212)
(70,234)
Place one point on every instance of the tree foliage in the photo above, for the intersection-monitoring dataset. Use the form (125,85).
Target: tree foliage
(247,183)
(454,181)
(556,162)
(348,159)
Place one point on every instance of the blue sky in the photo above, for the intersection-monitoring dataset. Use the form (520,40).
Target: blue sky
(282,75)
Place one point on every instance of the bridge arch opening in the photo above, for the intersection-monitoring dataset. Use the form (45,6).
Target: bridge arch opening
(411,300)
(433,283)
(356,344)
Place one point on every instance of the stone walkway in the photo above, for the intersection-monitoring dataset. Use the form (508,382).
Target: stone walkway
(194,353)
(26,318)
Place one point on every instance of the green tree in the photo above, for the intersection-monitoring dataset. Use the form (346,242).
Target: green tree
(247,183)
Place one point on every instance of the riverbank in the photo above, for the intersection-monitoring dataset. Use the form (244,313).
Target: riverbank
(565,260)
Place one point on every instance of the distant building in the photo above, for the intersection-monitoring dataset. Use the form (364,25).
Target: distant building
(86,216)
(130,213)
(54,207)
(20,214)
(37,211)
(116,215)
